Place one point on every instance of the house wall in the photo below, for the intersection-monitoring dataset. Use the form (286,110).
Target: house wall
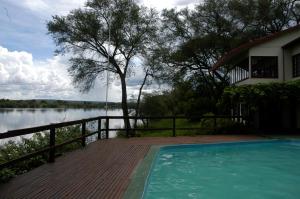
(288,62)
(274,48)
(267,50)
(294,51)
(285,73)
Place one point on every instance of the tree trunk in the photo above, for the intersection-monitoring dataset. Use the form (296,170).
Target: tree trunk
(137,108)
(124,103)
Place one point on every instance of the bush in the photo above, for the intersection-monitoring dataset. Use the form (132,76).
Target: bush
(260,94)
(223,125)
(154,105)
(15,149)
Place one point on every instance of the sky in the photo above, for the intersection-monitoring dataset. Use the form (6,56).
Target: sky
(29,69)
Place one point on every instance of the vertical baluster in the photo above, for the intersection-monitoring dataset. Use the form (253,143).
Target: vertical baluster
(83,129)
(99,129)
(52,144)
(126,127)
(107,128)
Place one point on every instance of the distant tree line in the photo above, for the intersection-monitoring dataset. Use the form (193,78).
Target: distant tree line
(7,103)
(187,97)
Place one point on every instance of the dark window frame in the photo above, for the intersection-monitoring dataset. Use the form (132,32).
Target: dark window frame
(264,68)
(296,68)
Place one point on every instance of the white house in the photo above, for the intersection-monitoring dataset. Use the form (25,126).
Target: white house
(274,58)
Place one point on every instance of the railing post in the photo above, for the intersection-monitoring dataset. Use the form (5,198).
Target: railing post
(99,129)
(52,144)
(107,128)
(83,134)
(174,126)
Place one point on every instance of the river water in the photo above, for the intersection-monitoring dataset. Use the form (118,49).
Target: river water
(17,118)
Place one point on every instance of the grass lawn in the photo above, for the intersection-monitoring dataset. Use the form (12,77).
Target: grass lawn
(168,123)
(206,125)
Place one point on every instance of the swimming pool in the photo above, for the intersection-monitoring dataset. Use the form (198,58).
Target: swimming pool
(266,170)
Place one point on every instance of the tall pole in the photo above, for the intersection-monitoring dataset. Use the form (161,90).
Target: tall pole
(107,72)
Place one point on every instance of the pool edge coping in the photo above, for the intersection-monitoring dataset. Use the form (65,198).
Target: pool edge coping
(139,176)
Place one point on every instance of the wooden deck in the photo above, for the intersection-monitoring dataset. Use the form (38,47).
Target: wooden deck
(100,170)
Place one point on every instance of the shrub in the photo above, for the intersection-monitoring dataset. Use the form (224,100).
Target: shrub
(223,125)
(15,149)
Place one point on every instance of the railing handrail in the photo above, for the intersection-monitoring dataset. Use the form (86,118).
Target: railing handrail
(30,130)
(52,128)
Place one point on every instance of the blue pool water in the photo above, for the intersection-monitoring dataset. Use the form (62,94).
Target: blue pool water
(249,170)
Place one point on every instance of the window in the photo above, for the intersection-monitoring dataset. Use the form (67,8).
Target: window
(264,67)
(296,65)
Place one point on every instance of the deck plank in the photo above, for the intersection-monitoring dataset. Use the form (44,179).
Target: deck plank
(100,170)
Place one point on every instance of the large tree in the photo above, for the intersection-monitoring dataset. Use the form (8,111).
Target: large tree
(197,38)
(84,33)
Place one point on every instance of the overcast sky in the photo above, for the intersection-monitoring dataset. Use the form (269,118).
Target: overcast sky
(28,67)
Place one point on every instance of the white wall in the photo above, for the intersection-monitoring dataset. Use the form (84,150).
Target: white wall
(294,51)
(269,50)
(274,48)
(288,62)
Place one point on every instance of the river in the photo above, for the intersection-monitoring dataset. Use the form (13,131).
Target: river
(16,118)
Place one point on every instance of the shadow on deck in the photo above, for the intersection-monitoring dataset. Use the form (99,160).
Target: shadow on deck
(100,170)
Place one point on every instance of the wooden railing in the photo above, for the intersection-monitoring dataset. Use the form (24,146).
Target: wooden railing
(52,128)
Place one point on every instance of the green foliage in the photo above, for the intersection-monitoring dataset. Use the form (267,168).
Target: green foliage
(15,149)
(223,125)
(65,134)
(190,97)
(260,94)
(6,175)
(155,105)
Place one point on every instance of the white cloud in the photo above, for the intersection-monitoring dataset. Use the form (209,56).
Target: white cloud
(49,7)
(22,77)
(20,74)
(159,4)
(36,5)
(4,75)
